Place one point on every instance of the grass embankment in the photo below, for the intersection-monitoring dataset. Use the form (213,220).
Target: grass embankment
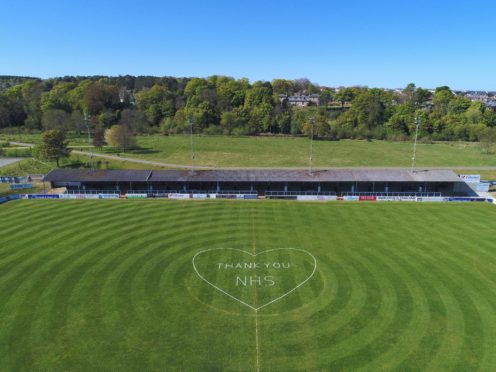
(224,151)
(292,152)
(38,187)
(110,285)
(25,167)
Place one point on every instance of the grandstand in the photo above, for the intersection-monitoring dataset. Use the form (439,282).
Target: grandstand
(276,183)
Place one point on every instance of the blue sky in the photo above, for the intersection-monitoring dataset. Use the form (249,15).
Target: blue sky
(374,43)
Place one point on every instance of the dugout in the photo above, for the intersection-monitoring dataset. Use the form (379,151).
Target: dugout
(262,181)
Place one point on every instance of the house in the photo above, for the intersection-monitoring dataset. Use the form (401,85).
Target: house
(491,105)
(300,100)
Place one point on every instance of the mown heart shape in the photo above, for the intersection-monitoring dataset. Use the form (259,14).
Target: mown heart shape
(255,279)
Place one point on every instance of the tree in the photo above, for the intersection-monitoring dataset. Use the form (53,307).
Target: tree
(12,112)
(227,122)
(120,137)
(77,122)
(458,105)
(326,96)
(321,127)
(259,94)
(204,115)
(261,119)
(53,146)
(421,96)
(401,120)
(344,95)
(283,122)
(441,100)
(282,86)
(100,96)
(99,137)
(302,84)
(56,119)
(156,103)
(487,139)
(370,108)
(197,91)
(57,97)
(31,93)
(135,120)
(230,93)
(408,94)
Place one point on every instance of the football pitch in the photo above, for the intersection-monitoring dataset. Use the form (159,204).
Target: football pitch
(246,286)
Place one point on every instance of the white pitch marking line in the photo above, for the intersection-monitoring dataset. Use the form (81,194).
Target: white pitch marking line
(257,343)
(254,255)
(256,311)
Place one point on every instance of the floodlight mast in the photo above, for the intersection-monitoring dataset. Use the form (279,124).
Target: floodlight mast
(86,122)
(193,155)
(310,151)
(417,125)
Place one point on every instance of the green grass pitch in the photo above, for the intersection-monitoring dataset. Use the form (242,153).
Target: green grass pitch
(173,285)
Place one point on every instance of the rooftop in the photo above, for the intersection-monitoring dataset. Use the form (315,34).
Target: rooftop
(254,175)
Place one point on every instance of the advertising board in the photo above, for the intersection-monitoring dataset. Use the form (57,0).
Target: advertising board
(351,198)
(367,198)
(396,198)
(89,196)
(432,199)
(19,186)
(482,187)
(316,197)
(466,199)
(250,196)
(108,196)
(226,196)
(43,196)
(86,196)
(178,196)
(11,179)
(200,196)
(68,196)
(470,178)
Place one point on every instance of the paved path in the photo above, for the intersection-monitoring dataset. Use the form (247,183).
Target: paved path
(141,161)
(123,158)
(7,161)
(182,166)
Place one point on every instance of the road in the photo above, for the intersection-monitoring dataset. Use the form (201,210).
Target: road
(182,166)
(7,161)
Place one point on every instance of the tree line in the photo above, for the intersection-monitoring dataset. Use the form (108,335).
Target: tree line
(223,105)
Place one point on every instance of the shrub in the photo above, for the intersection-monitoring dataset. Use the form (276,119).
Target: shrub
(240,132)
(20,152)
(213,130)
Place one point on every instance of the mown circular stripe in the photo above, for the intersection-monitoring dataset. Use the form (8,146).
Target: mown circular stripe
(402,286)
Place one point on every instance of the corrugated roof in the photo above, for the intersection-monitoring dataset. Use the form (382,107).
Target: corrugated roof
(85,175)
(254,175)
(300,175)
